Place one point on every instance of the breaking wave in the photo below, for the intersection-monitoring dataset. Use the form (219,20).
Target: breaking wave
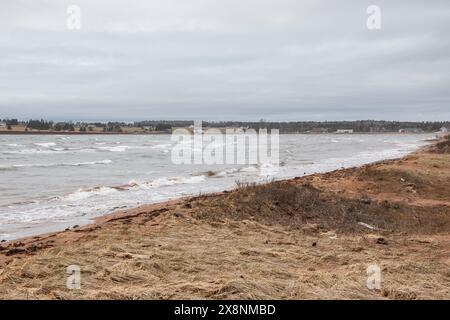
(45,144)
(49,165)
(133,185)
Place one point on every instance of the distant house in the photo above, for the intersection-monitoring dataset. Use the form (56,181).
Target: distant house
(319,130)
(3,125)
(410,130)
(444,130)
(149,128)
(344,131)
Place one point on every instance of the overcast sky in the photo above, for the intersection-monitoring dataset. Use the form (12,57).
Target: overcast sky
(225,60)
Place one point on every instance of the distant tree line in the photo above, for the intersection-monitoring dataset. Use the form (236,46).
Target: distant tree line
(308,126)
(63,126)
(10,122)
(39,124)
(284,127)
(114,127)
(332,126)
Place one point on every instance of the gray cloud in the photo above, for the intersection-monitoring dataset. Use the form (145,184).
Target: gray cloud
(225,59)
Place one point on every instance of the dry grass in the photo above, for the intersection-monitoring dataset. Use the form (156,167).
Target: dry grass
(186,258)
(442,146)
(296,205)
(419,179)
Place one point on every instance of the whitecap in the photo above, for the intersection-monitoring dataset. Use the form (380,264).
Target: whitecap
(164,182)
(115,148)
(82,194)
(45,144)
(47,165)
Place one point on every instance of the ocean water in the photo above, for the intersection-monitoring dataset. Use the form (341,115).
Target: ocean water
(50,182)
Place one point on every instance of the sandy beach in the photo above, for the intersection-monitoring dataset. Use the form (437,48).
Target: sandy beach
(305,238)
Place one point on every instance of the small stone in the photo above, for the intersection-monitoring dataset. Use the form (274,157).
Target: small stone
(381,241)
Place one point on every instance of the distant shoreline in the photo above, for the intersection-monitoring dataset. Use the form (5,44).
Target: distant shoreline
(15,126)
(77,133)
(168,133)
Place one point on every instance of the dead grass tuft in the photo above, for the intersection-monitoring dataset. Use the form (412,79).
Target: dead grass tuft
(300,206)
